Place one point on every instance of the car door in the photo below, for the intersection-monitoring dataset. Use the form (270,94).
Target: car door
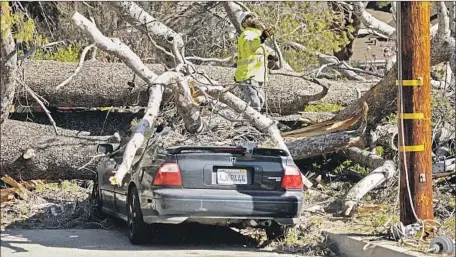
(106,188)
(147,162)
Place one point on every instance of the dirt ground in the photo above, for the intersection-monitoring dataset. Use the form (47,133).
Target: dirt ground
(364,48)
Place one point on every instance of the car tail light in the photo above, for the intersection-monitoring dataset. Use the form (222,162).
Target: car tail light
(292,178)
(168,175)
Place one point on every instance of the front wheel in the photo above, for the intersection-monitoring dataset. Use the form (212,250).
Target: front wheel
(277,231)
(136,225)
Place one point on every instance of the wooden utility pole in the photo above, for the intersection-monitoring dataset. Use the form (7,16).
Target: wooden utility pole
(414,111)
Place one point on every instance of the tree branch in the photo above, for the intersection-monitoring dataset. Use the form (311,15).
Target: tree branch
(382,171)
(188,110)
(258,120)
(443,30)
(371,22)
(78,68)
(38,100)
(155,83)
(134,13)
(201,59)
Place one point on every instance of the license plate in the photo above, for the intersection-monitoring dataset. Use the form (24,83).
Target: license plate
(232,176)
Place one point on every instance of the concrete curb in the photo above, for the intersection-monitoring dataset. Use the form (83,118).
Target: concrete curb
(358,246)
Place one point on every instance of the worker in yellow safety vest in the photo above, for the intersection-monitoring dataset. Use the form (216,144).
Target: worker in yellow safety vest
(251,70)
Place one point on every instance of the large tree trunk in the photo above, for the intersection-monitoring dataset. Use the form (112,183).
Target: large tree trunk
(381,100)
(55,157)
(109,87)
(8,67)
(61,157)
(382,97)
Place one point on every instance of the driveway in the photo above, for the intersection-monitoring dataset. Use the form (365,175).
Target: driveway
(111,243)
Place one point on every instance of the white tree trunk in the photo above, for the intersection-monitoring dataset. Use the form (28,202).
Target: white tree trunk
(443,30)
(383,170)
(188,110)
(452,6)
(371,22)
(124,53)
(116,47)
(145,125)
(148,24)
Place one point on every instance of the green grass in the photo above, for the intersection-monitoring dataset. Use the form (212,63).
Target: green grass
(324,107)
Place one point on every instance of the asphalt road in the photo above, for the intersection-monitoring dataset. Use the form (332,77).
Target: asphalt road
(110,243)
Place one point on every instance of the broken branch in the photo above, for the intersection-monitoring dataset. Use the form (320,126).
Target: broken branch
(156,88)
(38,100)
(382,171)
(78,68)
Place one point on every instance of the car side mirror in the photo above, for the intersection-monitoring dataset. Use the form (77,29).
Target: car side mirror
(105,149)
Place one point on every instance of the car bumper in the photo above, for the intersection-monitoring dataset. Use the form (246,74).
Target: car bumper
(179,205)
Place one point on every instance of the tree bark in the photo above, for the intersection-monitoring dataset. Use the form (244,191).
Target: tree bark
(319,145)
(382,97)
(61,157)
(382,171)
(285,94)
(8,67)
(371,22)
(149,25)
(56,157)
(156,88)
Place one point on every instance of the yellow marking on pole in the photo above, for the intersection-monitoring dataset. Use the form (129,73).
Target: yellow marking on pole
(411,148)
(411,116)
(11,109)
(410,83)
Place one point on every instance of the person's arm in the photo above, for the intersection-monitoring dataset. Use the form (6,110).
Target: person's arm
(267,33)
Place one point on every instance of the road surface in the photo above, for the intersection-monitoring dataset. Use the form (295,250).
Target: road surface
(109,243)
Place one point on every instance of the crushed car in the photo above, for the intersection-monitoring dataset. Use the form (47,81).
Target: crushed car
(234,186)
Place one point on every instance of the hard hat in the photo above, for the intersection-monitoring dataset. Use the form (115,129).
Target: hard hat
(242,16)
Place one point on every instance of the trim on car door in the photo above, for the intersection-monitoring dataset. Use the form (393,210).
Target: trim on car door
(115,214)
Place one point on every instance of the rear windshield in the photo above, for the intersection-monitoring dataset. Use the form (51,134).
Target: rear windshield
(232,150)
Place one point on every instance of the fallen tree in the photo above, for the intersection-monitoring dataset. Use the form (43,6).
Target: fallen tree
(33,151)
(301,147)
(382,170)
(380,96)
(111,86)
(71,155)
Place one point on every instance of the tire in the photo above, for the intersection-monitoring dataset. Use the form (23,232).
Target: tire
(277,231)
(136,225)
